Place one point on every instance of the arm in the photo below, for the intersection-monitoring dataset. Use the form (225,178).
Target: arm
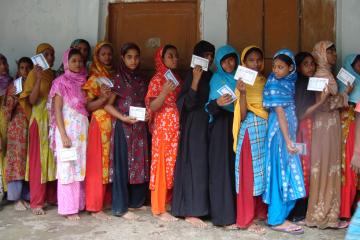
(109,107)
(158,101)
(241,86)
(34,95)
(284,129)
(60,121)
(191,99)
(320,100)
(355,161)
(101,101)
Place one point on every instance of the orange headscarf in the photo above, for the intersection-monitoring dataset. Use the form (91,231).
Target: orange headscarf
(98,69)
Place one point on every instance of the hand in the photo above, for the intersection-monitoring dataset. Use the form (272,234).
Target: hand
(290,147)
(11,90)
(197,72)
(324,94)
(349,88)
(168,87)
(38,71)
(224,100)
(105,91)
(129,120)
(66,141)
(355,162)
(241,86)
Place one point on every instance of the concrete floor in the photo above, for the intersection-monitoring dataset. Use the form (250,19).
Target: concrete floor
(24,225)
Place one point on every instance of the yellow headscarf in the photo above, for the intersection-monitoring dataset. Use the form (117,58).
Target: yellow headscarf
(97,68)
(254,98)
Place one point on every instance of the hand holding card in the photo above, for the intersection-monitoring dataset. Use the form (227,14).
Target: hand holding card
(246,75)
(68,154)
(18,85)
(170,77)
(226,90)
(105,81)
(199,61)
(317,84)
(40,60)
(138,113)
(345,77)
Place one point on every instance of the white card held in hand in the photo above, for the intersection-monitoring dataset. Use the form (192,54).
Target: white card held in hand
(317,84)
(68,154)
(345,77)
(246,75)
(227,90)
(105,81)
(40,60)
(138,113)
(170,77)
(301,147)
(18,85)
(199,61)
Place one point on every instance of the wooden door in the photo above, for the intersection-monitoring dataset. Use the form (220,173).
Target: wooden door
(276,24)
(152,24)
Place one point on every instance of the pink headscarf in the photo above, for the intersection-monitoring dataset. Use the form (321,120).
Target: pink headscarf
(69,87)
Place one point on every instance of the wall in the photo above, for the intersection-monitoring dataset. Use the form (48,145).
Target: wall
(26,23)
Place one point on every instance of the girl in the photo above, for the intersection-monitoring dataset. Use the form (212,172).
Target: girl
(69,125)
(348,189)
(250,125)
(191,186)
(283,174)
(354,228)
(85,50)
(325,180)
(40,166)
(160,101)
(98,153)
(5,79)
(221,154)
(131,156)
(17,113)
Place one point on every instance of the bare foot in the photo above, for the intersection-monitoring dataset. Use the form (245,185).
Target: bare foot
(142,208)
(197,222)
(231,227)
(19,206)
(73,217)
(38,211)
(26,204)
(130,216)
(101,216)
(166,217)
(256,228)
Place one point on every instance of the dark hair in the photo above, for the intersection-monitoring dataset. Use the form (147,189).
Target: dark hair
(300,57)
(74,51)
(252,50)
(203,46)
(127,46)
(24,60)
(356,59)
(167,47)
(286,59)
(234,55)
(3,58)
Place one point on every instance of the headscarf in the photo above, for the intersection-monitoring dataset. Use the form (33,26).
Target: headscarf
(68,86)
(73,45)
(303,98)
(203,89)
(254,98)
(4,79)
(354,96)
(42,47)
(280,92)
(323,68)
(222,78)
(98,69)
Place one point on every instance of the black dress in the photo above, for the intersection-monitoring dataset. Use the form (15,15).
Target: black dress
(221,166)
(191,179)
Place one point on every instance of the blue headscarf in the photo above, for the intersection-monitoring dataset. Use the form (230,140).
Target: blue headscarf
(222,78)
(281,92)
(354,96)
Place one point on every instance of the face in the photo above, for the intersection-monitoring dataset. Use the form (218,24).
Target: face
(356,67)
(83,48)
(24,69)
(171,58)
(76,63)
(254,61)
(331,55)
(209,56)
(49,55)
(4,67)
(105,55)
(228,64)
(131,59)
(307,67)
(281,69)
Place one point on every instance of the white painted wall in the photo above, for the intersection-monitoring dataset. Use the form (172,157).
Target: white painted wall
(348,28)
(26,23)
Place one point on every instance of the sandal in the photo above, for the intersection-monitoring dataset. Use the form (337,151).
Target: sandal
(291,229)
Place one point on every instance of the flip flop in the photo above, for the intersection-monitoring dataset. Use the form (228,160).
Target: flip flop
(290,229)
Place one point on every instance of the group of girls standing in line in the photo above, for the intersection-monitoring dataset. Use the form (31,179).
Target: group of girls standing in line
(200,153)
